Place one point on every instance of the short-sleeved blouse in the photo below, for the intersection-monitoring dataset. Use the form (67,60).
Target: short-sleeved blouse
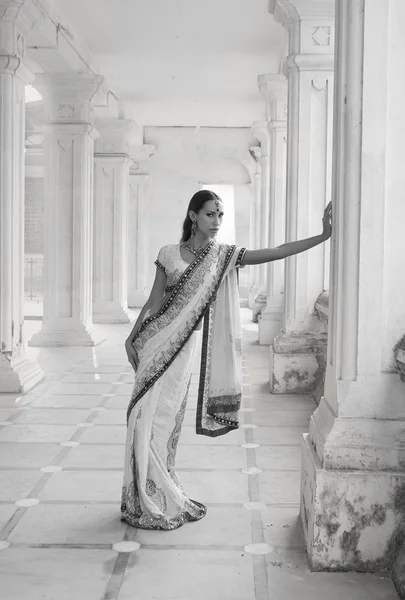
(170,261)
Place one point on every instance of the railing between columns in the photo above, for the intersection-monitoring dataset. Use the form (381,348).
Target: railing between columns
(33,277)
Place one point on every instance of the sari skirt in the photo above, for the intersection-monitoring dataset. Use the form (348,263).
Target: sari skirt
(152,495)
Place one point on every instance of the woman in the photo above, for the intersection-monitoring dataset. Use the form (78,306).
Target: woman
(195,284)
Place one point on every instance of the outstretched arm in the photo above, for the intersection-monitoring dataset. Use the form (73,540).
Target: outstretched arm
(265,255)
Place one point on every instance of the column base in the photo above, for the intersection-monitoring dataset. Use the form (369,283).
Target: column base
(259,304)
(18,375)
(298,363)
(270,324)
(137,298)
(51,336)
(110,312)
(353,520)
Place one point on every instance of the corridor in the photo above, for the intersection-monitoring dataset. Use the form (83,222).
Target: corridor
(61,453)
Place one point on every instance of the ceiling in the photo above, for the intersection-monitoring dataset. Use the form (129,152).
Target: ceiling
(181,62)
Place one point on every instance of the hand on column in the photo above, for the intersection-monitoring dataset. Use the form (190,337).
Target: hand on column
(327,222)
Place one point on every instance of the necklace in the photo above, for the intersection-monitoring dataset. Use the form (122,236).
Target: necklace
(196,251)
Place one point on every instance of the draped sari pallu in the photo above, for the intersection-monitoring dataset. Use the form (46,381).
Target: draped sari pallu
(207,291)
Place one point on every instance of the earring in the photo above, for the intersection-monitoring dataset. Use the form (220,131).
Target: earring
(193,228)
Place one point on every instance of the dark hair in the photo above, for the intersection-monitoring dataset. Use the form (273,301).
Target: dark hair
(196,204)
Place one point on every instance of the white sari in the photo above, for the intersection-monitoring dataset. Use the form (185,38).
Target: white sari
(152,496)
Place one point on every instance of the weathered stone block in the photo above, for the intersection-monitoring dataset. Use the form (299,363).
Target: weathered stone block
(399,352)
(351,518)
(297,363)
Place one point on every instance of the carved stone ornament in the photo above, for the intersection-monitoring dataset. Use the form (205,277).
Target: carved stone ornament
(66,111)
(321,36)
(319,82)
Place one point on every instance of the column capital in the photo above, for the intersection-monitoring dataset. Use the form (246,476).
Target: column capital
(10,64)
(69,96)
(115,135)
(310,23)
(286,12)
(308,62)
(73,87)
(274,89)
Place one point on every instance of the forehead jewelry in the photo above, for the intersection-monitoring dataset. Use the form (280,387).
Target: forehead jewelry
(218,204)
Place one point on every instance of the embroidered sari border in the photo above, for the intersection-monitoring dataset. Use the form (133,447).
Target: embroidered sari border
(205,362)
(240,258)
(222,406)
(204,385)
(160,266)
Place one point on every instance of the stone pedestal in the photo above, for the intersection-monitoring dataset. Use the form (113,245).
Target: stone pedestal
(138,240)
(68,244)
(111,198)
(260,131)
(309,69)
(17,373)
(353,469)
(274,88)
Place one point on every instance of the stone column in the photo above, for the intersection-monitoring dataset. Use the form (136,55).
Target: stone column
(353,480)
(297,357)
(68,244)
(274,88)
(138,240)
(111,197)
(17,373)
(261,132)
(254,225)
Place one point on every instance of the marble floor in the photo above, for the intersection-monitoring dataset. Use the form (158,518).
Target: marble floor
(61,455)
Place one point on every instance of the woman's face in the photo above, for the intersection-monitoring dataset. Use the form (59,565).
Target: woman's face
(209,218)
